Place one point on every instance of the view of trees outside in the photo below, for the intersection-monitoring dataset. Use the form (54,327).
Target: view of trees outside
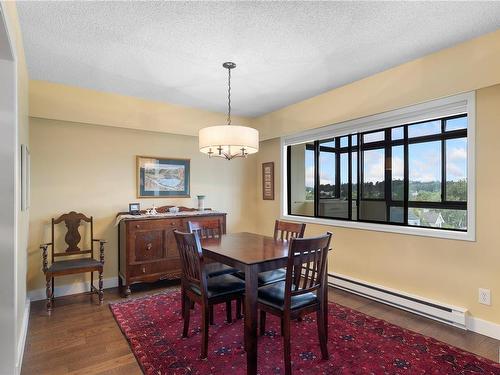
(424,171)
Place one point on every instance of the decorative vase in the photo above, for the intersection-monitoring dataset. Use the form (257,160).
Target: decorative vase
(201,202)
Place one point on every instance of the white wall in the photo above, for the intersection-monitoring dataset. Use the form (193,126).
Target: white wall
(8,216)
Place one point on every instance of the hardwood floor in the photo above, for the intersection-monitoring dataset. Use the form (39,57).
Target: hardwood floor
(83,338)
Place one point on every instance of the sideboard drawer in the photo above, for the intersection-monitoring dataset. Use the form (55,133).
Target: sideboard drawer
(167,267)
(155,224)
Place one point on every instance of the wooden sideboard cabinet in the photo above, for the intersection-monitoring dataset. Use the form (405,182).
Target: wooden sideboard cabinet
(147,248)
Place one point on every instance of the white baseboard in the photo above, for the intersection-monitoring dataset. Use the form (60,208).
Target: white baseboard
(24,333)
(484,327)
(68,289)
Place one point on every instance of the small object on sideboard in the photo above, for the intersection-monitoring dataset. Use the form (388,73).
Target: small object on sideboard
(147,250)
(173,210)
(153,210)
(201,202)
(134,208)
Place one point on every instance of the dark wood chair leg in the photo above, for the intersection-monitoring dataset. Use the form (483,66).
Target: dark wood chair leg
(183,302)
(286,345)
(262,322)
(211,315)
(48,291)
(53,289)
(238,309)
(204,330)
(229,312)
(282,324)
(91,284)
(185,314)
(320,319)
(101,288)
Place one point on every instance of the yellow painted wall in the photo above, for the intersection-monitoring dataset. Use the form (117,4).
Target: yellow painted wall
(76,104)
(92,169)
(465,67)
(10,12)
(444,270)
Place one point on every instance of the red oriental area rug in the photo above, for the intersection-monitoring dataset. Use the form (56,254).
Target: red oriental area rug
(358,344)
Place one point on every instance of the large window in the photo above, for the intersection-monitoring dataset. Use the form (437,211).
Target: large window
(408,174)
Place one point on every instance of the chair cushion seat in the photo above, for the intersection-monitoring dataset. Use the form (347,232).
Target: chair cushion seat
(267,277)
(274,295)
(218,269)
(221,285)
(73,264)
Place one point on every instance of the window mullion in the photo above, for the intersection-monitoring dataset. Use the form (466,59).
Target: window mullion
(388,174)
(349,177)
(316,178)
(406,183)
(443,163)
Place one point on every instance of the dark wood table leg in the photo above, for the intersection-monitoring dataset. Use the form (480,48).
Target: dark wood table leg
(251,318)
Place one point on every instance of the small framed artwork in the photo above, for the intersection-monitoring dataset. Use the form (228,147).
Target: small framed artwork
(134,208)
(162,177)
(268,181)
(25,177)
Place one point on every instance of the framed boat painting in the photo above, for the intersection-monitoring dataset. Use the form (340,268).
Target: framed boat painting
(162,177)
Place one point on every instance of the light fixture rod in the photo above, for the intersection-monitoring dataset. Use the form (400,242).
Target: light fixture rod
(229,65)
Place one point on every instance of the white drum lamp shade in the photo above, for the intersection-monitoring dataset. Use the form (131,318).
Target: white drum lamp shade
(228,141)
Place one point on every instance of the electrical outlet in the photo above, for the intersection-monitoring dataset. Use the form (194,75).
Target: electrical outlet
(485,296)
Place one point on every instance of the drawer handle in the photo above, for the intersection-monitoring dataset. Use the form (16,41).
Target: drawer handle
(149,246)
(137,226)
(143,269)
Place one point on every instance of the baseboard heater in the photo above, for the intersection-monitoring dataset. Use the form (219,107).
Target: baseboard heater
(455,316)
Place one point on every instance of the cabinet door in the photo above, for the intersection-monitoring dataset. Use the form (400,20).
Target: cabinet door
(171,251)
(149,245)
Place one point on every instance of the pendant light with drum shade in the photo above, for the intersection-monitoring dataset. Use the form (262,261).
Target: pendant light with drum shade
(228,141)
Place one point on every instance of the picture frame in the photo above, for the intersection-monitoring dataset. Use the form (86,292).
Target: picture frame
(159,177)
(268,181)
(25,177)
(134,208)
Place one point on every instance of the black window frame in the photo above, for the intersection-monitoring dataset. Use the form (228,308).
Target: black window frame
(386,144)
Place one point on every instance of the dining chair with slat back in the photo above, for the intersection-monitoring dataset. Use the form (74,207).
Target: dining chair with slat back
(206,229)
(302,292)
(283,231)
(197,287)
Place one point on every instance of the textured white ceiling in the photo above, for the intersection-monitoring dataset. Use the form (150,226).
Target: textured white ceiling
(285,51)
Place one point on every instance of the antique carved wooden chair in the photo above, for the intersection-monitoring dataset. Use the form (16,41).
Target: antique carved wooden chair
(283,231)
(81,260)
(198,288)
(304,291)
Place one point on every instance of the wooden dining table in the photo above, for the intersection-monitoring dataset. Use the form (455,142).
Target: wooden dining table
(250,253)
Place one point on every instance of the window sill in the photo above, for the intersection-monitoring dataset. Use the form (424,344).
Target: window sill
(413,231)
